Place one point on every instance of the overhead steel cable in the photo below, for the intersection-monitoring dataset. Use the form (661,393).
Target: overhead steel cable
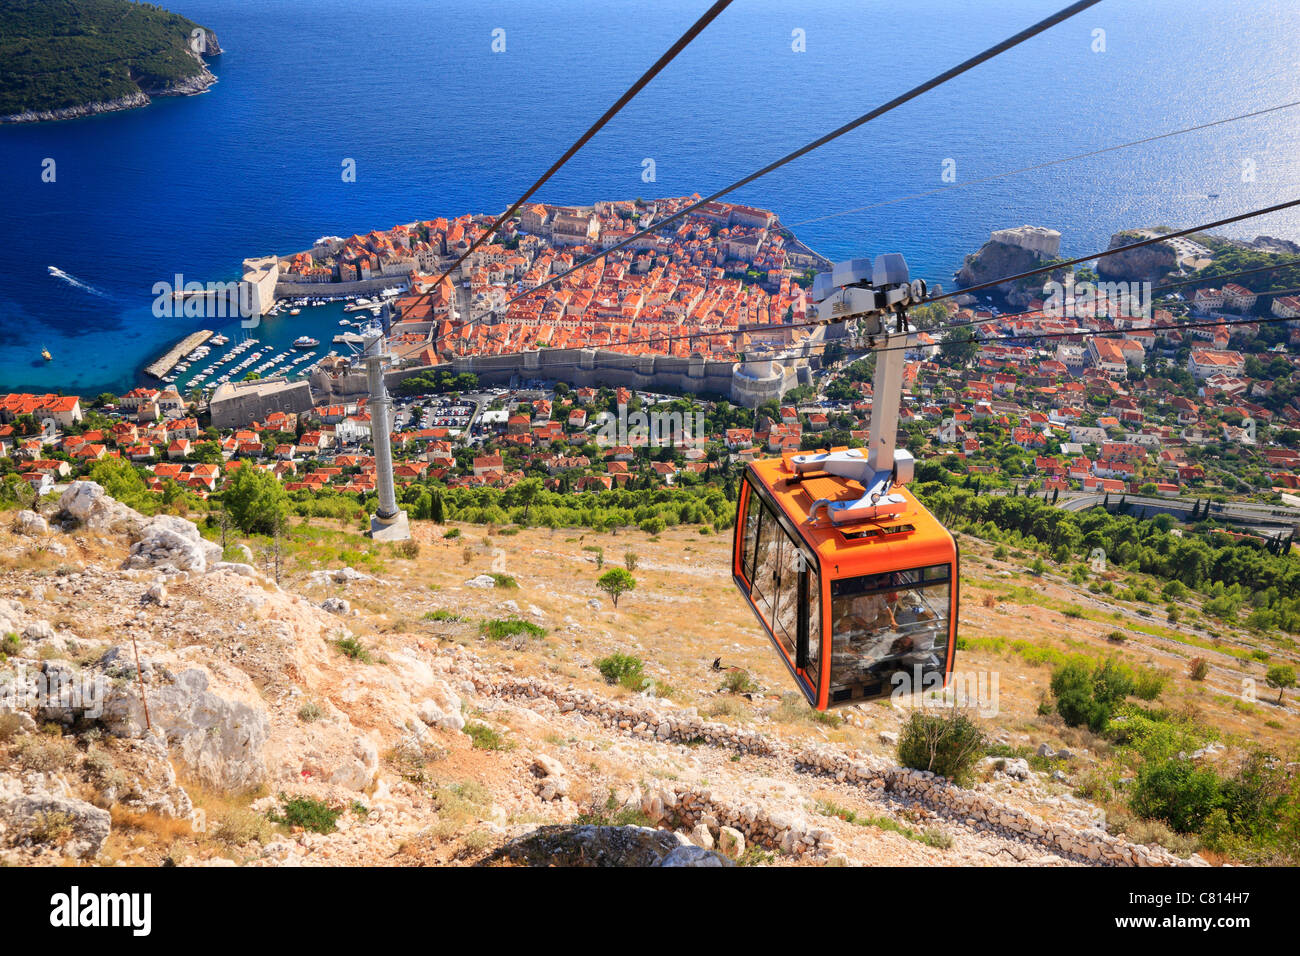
(913,93)
(682,42)
(1045,165)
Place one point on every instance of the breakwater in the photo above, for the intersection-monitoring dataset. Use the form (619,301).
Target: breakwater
(165,363)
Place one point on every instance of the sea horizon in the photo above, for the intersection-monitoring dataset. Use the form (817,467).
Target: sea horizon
(193,185)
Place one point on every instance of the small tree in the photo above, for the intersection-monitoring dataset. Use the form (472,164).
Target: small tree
(1089,695)
(1280,676)
(256,500)
(526,493)
(629,560)
(946,744)
(616,582)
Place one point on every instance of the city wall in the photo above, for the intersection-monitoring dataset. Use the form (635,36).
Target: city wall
(750,384)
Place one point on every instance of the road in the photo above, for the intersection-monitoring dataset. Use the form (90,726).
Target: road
(1257,515)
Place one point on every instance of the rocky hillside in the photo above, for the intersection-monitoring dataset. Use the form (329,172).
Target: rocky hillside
(444,704)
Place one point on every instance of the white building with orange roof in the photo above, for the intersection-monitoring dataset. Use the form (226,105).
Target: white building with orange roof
(1206,363)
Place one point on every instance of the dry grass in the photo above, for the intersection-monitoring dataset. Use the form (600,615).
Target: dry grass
(685,612)
(44,754)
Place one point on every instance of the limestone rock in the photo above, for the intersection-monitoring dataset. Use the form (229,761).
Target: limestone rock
(31,524)
(79,827)
(171,545)
(694,856)
(1016,768)
(731,842)
(701,836)
(358,771)
(442,708)
(549,766)
(85,503)
(234,567)
(219,739)
(339,576)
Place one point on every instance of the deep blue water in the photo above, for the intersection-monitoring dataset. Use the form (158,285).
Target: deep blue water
(440,125)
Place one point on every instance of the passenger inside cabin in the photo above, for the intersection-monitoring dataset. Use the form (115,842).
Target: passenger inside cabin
(870,612)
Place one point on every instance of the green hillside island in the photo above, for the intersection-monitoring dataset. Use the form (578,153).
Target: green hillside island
(61,59)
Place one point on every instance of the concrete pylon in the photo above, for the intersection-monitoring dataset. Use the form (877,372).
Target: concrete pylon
(388,523)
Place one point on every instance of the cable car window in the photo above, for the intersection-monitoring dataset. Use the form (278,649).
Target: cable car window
(878,628)
(767,555)
(752,511)
(813,667)
(785,622)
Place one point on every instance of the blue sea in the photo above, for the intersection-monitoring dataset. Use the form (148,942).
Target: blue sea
(439,124)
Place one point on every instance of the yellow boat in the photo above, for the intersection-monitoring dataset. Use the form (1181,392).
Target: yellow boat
(45,354)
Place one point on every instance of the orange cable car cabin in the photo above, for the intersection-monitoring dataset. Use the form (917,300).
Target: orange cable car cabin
(848,608)
(852,579)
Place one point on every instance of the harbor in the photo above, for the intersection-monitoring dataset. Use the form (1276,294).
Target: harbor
(287,344)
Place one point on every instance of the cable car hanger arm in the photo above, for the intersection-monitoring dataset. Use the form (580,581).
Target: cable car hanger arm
(869,293)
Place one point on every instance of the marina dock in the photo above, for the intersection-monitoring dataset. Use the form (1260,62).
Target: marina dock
(167,362)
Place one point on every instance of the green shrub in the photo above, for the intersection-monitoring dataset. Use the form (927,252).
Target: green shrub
(504,581)
(1154,735)
(1087,696)
(441,614)
(622,669)
(310,712)
(1177,792)
(502,628)
(653,526)
(933,836)
(451,535)
(1280,677)
(1198,669)
(410,549)
(1149,683)
(484,737)
(947,744)
(353,648)
(738,681)
(616,582)
(307,813)
(52,826)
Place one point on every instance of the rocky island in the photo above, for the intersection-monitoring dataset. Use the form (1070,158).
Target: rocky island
(63,60)
(1014,251)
